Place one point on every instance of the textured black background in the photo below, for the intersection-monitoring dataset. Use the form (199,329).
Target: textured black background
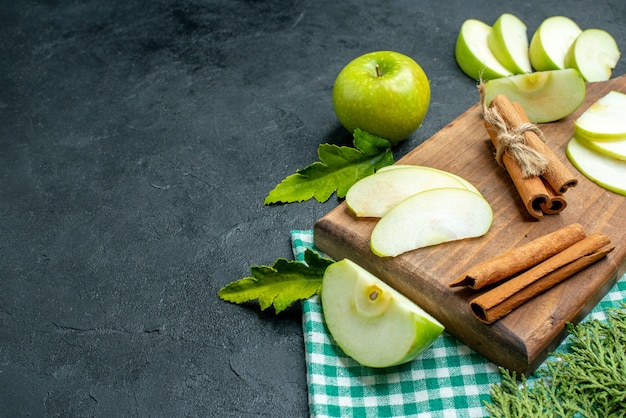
(138,140)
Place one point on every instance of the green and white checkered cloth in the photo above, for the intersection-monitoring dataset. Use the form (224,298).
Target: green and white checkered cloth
(448,380)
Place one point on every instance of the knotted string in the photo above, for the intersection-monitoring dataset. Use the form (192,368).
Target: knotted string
(531,162)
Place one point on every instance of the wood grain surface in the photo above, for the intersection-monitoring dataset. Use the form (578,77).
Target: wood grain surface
(521,340)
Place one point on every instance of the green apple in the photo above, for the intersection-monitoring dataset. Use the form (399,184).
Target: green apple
(508,40)
(473,54)
(468,185)
(431,217)
(372,322)
(384,93)
(546,96)
(604,120)
(594,53)
(551,41)
(374,195)
(603,170)
(614,149)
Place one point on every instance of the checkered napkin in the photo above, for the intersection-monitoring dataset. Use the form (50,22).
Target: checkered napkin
(447,380)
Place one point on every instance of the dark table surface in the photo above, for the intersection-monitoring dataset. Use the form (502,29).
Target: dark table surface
(138,140)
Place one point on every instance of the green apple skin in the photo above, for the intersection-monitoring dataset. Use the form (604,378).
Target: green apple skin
(607,172)
(370,321)
(473,55)
(546,96)
(508,40)
(385,93)
(594,54)
(551,41)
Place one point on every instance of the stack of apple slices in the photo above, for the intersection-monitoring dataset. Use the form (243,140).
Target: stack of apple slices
(418,207)
(489,52)
(598,148)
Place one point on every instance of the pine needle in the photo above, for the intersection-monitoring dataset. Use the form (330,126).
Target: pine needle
(589,380)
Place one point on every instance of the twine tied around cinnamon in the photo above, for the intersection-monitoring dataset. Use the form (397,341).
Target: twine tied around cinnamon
(531,162)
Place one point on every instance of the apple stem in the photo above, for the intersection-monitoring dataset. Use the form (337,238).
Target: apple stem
(374,295)
(378,74)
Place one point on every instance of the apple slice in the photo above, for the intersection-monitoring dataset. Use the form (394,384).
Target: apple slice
(431,217)
(508,40)
(551,41)
(546,96)
(473,55)
(374,195)
(372,322)
(614,149)
(466,183)
(605,171)
(603,120)
(594,53)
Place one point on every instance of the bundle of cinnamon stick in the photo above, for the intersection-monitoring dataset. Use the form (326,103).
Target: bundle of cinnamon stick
(527,271)
(539,176)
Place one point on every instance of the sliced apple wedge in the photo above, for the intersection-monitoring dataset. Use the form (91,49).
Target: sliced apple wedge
(594,53)
(473,54)
(372,322)
(551,41)
(614,149)
(603,170)
(429,218)
(604,120)
(374,195)
(508,41)
(468,185)
(546,96)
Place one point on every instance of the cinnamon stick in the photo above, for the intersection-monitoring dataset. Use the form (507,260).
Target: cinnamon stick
(558,176)
(532,190)
(496,303)
(520,258)
(541,191)
(555,203)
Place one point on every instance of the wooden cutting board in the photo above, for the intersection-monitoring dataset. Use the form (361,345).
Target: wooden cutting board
(521,340)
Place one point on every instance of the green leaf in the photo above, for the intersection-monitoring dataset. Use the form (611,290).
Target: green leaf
(337,170)
(279,285)
(589,380)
